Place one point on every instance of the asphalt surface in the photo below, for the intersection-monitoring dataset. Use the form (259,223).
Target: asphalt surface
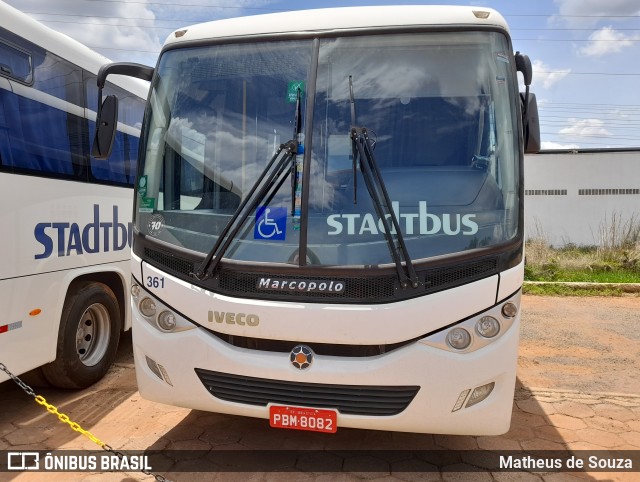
(578,390)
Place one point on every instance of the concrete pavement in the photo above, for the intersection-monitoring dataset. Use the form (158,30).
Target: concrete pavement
(544,419)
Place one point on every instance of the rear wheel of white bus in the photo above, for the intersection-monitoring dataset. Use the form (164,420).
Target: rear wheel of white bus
(88,337)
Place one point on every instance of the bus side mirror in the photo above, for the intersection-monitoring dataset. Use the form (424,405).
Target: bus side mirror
(107,118)
(530,121)
(531,124)
(106,123)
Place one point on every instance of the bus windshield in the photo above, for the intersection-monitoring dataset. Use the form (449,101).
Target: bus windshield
(439,109)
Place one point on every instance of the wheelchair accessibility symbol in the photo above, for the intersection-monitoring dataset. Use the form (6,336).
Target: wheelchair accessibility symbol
(271,223)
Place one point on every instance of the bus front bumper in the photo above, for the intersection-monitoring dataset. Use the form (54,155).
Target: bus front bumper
(166,366)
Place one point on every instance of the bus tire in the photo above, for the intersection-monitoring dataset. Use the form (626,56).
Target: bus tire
(88,337)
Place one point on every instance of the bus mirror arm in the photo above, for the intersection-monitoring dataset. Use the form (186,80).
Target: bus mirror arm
(523,64)
(124,68)
(107,115)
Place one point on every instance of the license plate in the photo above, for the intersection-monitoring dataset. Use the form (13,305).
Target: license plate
(298,418)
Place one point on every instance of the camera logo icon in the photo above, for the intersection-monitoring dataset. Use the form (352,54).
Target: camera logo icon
(23,461)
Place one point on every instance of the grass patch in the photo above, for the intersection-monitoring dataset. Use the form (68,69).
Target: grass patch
(581,264)
(568,290)
(616,259)
(567,270)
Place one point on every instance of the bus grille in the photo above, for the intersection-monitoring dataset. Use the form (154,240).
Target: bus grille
(169,261)
(357,289)
(362,289)
(445,277)
(347,399)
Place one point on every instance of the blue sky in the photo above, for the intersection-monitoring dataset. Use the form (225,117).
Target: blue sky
(586,53)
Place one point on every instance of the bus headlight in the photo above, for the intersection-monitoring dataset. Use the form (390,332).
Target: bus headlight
(135,290)
(488,327)
(167,321)
(157,314)
(459,338)
(147,307)
(509,310)
(477,331)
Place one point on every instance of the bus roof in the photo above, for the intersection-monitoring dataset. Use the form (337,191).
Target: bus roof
(24,26)
(340,19)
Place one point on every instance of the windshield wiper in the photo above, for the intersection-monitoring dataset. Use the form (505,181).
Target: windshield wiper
(363,151)
(268,183)
(271,176)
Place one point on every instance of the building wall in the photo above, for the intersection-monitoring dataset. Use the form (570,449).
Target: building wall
(571,197)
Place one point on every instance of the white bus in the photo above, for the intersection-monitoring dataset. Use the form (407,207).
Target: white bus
(66,217)
(328,225)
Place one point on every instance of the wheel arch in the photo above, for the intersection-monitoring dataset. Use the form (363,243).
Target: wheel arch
(116,281)
(88,330)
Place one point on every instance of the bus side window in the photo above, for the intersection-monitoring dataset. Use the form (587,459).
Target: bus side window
(45,139)
(44,135)
(15,63)
(7,112)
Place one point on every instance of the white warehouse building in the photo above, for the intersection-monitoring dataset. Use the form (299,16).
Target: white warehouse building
(575,196)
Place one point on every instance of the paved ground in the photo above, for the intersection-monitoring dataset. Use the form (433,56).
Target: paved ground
(578,389)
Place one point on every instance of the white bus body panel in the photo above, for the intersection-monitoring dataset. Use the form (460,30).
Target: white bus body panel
(442,375)
(28,283)
(336,19)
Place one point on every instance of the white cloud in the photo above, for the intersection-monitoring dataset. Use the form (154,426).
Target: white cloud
(132,31)
(598,7)
(548,145)
(118,30)
(607,40)
(542,73)
(585,128)
(587,12)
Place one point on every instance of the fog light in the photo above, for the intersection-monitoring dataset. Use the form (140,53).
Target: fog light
(488,327)
(153,366)
(166,321)
(461,398)
(509,310)
(480,393)
(165,375)
(158,370)
(147,307)
(459,338)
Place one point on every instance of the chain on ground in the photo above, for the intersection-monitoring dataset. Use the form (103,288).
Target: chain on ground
(65,419)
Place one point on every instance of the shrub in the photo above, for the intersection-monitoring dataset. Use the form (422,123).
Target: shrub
(616,257)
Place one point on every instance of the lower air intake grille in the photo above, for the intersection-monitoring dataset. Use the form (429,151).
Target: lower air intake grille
(169,261)
(347,399)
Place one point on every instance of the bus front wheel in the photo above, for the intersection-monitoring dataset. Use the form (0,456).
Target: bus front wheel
(88,337)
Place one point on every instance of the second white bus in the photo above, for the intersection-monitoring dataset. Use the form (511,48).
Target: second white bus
(65,224)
